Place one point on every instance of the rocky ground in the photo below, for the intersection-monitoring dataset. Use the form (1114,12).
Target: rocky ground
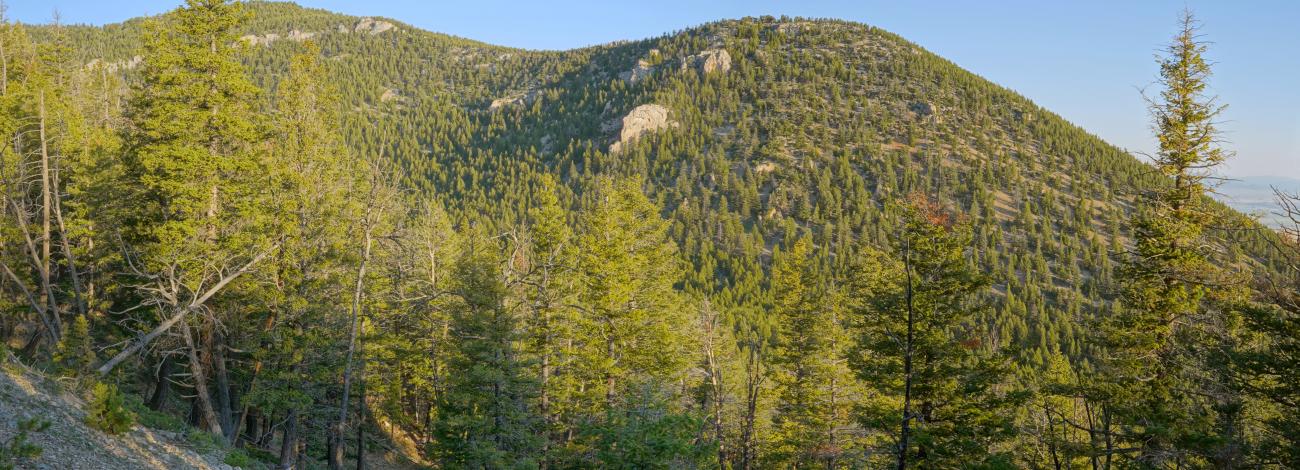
(68,444)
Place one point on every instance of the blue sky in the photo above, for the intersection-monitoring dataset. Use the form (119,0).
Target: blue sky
(1084,60)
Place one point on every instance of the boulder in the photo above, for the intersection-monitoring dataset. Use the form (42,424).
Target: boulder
(924,108)
(709,61)
(300,36)
(263,40)
(642,70)
(641,120)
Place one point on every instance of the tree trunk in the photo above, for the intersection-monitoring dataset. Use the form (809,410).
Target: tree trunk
(336,431)
(907,361)
(203,400)
(77,291)
(164,384)
(289,444)
(224,404)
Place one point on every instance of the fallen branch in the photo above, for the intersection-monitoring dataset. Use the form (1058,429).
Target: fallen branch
(180,315)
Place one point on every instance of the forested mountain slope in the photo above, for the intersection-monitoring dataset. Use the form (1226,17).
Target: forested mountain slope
(615,241)
(808,128)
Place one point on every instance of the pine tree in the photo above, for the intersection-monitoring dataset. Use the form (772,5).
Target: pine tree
(809,380)
(75,353)
(1155,343)
(106,410)
(941,385)
(631,315)
(549,291)
(194,217)
(485,419)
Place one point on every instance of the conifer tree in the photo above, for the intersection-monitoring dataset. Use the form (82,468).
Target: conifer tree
(1153,365)
(809,380)
(485,419)
(941,385)
(631,316)
(195,220)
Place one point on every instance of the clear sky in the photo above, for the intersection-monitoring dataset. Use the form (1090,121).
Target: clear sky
(1084,60)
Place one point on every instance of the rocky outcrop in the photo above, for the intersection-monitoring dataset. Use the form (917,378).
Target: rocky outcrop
(129,64)
(709,61)
(644,68)
(268,38)
(390,95)
(372,26)
(642,120)
(526,97)
(300,36)
(260,40)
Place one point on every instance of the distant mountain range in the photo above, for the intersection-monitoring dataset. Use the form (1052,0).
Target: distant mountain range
(1255,195)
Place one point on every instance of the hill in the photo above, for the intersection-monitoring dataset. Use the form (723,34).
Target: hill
(542,205)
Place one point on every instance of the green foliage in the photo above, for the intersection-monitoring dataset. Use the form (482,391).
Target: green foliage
(484,419)
(75,353)
(19,447)
(930,370)
(107,411)
(152,418)
(202,441)
(1161,342)
(647,436)
(812,385)
(239,458)
(526,300)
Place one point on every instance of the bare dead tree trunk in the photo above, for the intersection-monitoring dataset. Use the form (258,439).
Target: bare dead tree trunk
(336,431)
(46,239)
(180,314)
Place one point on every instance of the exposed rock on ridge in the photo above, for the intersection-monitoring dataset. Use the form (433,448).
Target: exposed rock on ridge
(642,120)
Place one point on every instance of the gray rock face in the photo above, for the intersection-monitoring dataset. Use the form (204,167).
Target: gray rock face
(268,38)
(642,120)
(709,61)
(372,26)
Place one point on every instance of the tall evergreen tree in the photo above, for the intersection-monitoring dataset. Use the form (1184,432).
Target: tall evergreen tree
(485,419)
(196,220)
(940,384)
(810,379)
(1153,361)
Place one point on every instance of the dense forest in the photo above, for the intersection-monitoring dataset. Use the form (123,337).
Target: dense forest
(757,243)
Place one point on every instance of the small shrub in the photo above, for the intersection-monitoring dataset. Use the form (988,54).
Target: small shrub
(239,458)
(75,353)
(18,447)
(108,412)
(203,441)
(154,419)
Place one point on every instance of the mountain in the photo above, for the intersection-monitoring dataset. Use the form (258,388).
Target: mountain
(747,132)
(590,256)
